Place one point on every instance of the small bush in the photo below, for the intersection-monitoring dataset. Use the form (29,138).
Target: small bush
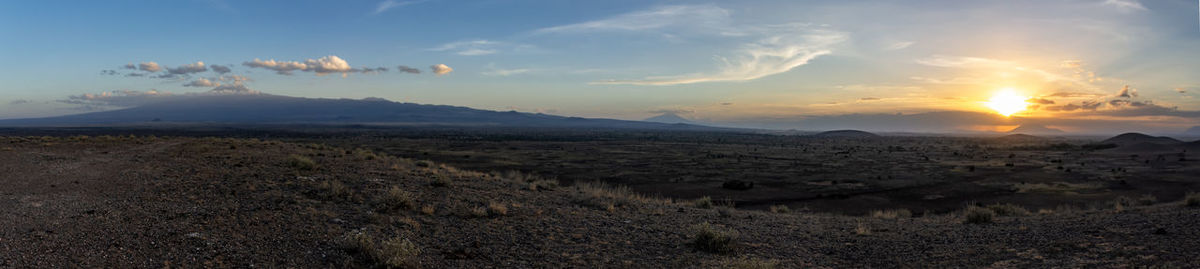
(478,212)
(332,189)
(424,163)
(1192,199)
(978,215)
(396,199)
(892,214)
(862,229)
(394,253)
(779,209)
(427,210)
(1008,210)
(543,184)
(496,209)
(710,238)
(704,202)
(301,163)
(440,180)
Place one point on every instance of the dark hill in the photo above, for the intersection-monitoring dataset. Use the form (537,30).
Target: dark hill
(1138,138)
(846,134)
(276,109)
(669,118)
(1035,129)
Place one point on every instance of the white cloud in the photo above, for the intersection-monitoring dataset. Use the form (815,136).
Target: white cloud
(505,72)
(201,82)
(321,66)
(187,69)
(480,47)
(148,67)
(899,45)
(1125,5)
(702,16)
(220,69)
(779,49)
(390,4)
(441,69)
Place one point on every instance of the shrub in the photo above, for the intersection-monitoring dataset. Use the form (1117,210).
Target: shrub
(478,212)
(440,180)
(396,199)
(600,196)
(711,238)
(891,214)
(496,209)
(862,229)
(332,189)
(543,184)
(301,163)
(977,215)
(395,253)
(427,210)
(1192,199)
(779,209)
(1008,210)
(424,163)
(704,202)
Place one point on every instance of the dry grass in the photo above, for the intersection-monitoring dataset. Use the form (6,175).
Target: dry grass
(427,210)
(301,163)
(395,199)
(496,209)
(710,238)
(478,212)
(392,253)
(779,209)
(333,189)
(862,229)
(891,214)
(978,215)
(1192,199)
(601,196)
(1008,210)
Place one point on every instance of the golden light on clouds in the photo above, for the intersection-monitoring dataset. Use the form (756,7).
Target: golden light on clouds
(1007,101)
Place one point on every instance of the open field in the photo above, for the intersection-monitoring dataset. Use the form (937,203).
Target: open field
(105,201)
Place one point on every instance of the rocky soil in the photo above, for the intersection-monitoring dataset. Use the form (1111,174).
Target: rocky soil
(210,202)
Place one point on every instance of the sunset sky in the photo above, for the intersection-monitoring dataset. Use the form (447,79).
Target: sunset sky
(1082,65)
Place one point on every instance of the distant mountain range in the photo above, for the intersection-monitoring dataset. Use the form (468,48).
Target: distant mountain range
(276,109)
(669,118)
(1035,129)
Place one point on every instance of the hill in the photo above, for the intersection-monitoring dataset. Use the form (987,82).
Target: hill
(669,118)
(1138,138)
(1035,129)
(1018,138)
(846,134)
(275,109)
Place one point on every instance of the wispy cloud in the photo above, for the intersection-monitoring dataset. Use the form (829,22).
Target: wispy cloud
(1125,5)
(505,72)
(390,4)
(479,47)
(441,69)
(899,45)
(764,50)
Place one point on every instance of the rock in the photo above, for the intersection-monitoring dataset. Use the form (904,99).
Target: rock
(737,185)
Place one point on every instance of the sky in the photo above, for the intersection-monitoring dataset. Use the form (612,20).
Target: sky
(1080,65)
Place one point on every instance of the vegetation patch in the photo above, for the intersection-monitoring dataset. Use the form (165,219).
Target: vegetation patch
(978,215)
(396,199)
(713,239)
(1008,210)
(891,214)
(392,253)
(301,163)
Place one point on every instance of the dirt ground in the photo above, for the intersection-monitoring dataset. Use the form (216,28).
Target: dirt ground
(214,202)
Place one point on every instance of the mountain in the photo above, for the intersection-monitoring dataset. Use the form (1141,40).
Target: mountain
(669,118)
(1139,138)
(846,134)
(1035,129)
(1195,130)
(276,109)
(1018,138)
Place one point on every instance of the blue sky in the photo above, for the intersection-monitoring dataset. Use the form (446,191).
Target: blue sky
(770,63)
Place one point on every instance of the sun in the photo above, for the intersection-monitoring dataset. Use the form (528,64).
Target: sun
(1006,102)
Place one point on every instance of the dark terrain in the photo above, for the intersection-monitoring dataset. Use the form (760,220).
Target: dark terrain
(350,198)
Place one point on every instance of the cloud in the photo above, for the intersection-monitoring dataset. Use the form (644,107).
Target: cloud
(321,66)
(202,82)
(505,72)
(1041,101)
(368,70)
(1127,92)
(117,98)
(727,104)
(18,102)
(1071,64)
(899,45)
(478,47)
(702,16)
(441,69)
(148,67)
(869,99)
(187,69)
(220,69)
(1180,90)
(233,88)
(1124,5)
(129,66)
(390,4)
(959,61)
(778,49)
(108,72)
(406,69)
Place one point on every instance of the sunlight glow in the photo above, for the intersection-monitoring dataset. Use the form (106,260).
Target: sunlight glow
(1006,102)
